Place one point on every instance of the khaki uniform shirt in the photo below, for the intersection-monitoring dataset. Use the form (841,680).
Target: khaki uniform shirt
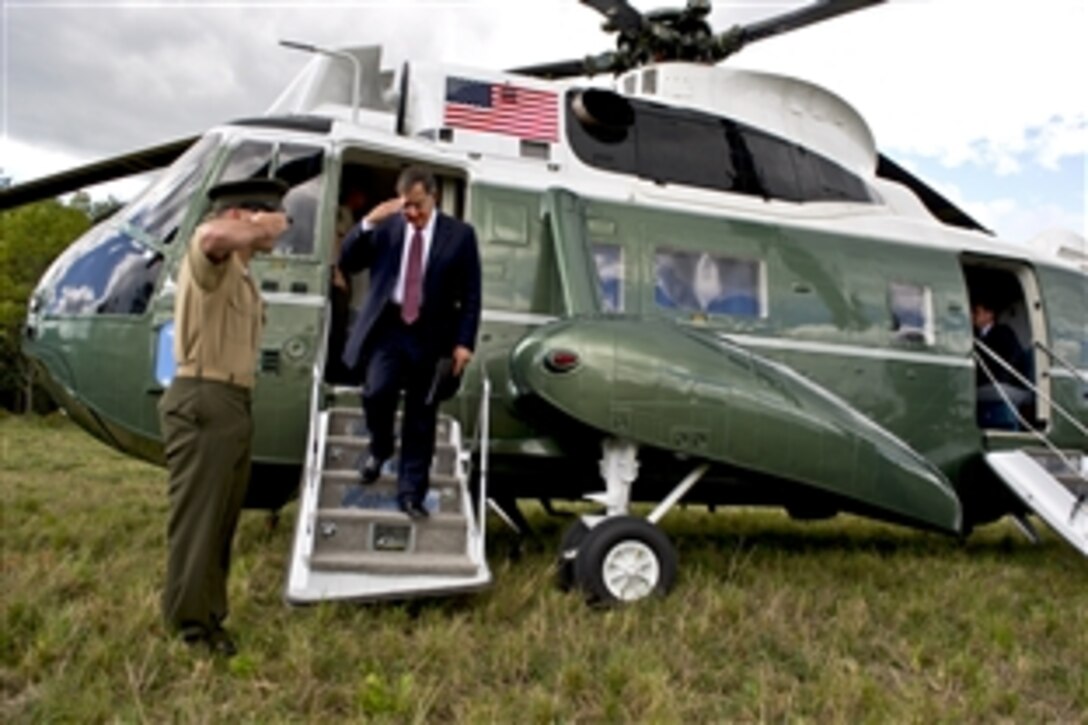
(218,316)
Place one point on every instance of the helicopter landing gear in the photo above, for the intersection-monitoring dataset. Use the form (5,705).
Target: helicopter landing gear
(624,559)
(619,558)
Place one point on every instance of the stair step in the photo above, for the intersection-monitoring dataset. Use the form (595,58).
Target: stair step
(350,423)
(436,479)
(1074,483)
(395,563)
(347,453)
(349,530)
(343,490)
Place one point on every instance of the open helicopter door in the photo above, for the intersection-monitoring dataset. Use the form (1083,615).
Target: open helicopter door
(351,541)
(1059,498)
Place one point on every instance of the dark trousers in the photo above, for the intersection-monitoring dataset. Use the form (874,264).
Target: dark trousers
(400,359)
(207,429)
(336,371)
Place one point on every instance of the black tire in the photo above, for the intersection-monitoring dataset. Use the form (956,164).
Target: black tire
(568,545)
(625,540)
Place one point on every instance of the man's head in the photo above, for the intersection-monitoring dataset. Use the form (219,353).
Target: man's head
(418,188)
(247,195)
(982,315)
(353,194)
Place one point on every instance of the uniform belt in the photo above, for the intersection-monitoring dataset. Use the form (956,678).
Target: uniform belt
(192,370)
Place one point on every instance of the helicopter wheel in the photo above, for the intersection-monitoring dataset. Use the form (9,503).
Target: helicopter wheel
(624,559)
(568,550)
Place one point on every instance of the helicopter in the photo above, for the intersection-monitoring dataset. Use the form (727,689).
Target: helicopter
(701,284)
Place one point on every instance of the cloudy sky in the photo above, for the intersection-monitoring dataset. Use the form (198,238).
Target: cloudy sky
(985,99)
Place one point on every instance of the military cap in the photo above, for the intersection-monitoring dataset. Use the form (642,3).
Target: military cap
(262,194)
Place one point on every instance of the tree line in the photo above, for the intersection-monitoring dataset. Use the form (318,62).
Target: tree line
(31,237)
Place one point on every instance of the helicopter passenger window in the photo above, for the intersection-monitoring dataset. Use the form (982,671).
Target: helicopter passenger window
(707,284)
(911,308)
(608,259)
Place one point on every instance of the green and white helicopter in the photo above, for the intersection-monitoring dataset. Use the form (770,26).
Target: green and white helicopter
(701,284)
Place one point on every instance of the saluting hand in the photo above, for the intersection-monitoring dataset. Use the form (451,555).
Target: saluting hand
(272,224)
(384,210)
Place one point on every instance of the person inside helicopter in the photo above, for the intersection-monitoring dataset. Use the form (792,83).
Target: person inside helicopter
(354,202)
(998,387)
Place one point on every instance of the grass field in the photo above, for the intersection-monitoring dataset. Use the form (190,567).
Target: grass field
(838,621)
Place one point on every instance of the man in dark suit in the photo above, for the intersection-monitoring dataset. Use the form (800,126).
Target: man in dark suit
(999,340)
(423,305)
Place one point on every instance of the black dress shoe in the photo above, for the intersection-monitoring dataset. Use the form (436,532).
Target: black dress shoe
(372,469)
(221,644)
(217,642)
(412,509)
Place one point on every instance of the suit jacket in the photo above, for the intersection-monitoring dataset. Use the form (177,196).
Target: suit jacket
(1002,340)
(450,315)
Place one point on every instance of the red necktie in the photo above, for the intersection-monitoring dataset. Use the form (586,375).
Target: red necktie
(413,280)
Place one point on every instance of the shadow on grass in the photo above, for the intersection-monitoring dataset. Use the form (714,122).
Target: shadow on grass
(697,533)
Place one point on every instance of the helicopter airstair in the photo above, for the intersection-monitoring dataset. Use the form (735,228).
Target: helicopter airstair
(1050,481)
(352,542)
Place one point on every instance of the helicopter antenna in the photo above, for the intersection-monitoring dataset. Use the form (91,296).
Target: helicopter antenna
(356,69)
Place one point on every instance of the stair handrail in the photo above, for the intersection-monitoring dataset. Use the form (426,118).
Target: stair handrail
(315,386)
(1061,361)
(483,431)
(1027,383)
(480,439)
(1022,420)
(310,471)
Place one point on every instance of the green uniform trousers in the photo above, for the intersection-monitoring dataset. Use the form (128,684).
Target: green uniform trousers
(207,430)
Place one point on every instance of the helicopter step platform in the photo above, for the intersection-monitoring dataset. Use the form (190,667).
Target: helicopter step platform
(1054,500)
(1072,472)
(353,543)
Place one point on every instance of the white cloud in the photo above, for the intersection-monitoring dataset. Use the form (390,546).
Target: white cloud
(960,81)
(1015,221)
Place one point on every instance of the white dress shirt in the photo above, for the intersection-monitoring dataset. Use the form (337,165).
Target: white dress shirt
(409,232)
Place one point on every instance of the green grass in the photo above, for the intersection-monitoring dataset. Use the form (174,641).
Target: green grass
(840,621)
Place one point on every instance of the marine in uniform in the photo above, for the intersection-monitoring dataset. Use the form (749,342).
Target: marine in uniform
(205,413)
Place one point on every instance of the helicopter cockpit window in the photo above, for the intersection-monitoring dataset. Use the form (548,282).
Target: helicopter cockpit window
(113,269)
(911,308)
(106,272)
(248,160)
(301,167)
(158,212)
(708,284)
(608,259)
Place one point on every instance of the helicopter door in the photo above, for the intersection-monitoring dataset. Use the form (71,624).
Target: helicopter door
(365,180)
(1011,291)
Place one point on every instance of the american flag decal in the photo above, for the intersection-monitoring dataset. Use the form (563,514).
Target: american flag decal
(501,108)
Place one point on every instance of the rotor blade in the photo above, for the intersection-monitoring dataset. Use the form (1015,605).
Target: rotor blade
(816,12)
(551,71)
(621,16)
(938,205)
(118,167)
